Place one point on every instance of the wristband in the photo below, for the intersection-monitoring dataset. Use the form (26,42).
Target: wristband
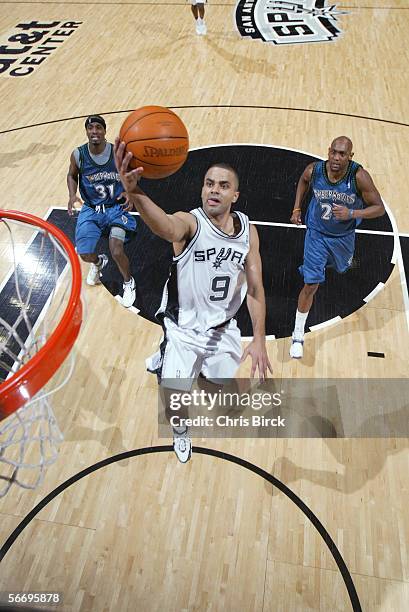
(351,213)
(296,209)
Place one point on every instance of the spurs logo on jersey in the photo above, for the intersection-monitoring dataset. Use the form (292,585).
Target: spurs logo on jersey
(224,254)
(285,22)
(207,283)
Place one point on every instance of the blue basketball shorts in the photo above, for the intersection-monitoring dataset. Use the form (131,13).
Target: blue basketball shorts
(321,251)
(92,224)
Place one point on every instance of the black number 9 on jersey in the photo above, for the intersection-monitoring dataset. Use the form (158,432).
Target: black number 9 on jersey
(220,286)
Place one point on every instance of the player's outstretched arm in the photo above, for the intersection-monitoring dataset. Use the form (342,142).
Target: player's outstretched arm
(174,228)
(302,188)
(256,304)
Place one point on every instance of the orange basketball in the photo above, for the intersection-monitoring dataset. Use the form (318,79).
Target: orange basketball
(157,139)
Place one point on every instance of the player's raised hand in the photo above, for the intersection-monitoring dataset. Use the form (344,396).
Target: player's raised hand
(259,358)
(125,202)
(129,177)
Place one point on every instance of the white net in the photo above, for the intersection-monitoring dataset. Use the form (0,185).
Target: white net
(34,292)
(29,444)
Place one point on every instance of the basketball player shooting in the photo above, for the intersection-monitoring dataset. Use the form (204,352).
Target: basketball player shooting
(216,264)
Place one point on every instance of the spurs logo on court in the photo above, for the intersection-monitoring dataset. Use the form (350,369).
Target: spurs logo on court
(31,44)
(284,22)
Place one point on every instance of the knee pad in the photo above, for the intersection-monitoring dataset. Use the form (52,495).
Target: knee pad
(117,232)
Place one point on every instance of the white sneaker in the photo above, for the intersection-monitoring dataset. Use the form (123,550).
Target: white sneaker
(297,348)
(182,445)
(198,28)
(94,273)
(129,294)
(203,29)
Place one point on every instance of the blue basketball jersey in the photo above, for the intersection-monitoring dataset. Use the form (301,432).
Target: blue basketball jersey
(325,194)
(99,184)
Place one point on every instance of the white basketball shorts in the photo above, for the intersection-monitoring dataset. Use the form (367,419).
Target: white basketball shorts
(185,353)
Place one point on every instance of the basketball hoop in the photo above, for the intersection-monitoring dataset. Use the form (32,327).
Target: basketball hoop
(40,318)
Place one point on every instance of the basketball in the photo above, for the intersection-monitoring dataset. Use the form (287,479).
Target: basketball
(157,139)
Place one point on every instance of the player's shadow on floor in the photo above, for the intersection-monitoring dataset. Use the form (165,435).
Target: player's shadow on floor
(11,159)
(91,410)
(150,53)
(353,476)
(243,64)
(360,461)
(315,341)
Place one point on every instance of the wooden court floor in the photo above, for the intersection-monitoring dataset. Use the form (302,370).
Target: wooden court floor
(147,533)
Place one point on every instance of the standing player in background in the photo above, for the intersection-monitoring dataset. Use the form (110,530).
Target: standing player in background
(92,168)
(343,194)
(216,263)
(198,10)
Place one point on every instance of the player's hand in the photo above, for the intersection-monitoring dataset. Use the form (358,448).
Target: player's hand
(71,205)
(129,177)
(125,202)
(259,358)
(296,217)
(342,213)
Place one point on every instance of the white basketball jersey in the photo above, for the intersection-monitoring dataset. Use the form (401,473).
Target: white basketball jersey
(207,282)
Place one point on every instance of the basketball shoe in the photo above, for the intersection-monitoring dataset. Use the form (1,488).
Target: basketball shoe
(182,445)
(201,28)
(129,294)
(297,347)
(95,270)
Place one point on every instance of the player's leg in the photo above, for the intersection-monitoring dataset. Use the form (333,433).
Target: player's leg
(341,250)
(176,364)
(219,369)
(116,246)
(122,226)
(198,10)
(305,300)
(194,8)
(87,234)
(313,271)
(220,366)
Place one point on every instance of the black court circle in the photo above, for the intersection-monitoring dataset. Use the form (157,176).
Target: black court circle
(352,593)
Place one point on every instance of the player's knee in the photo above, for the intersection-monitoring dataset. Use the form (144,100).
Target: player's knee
(117,237)
(117,250)
(310,290)
(87,257)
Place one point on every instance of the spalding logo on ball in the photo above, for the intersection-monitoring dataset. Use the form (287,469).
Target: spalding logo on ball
(157,139)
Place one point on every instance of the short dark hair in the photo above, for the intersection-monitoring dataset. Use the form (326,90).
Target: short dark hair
(343,139)
(227,167)
(95,119)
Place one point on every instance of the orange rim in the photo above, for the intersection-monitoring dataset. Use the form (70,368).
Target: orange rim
(33,375)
